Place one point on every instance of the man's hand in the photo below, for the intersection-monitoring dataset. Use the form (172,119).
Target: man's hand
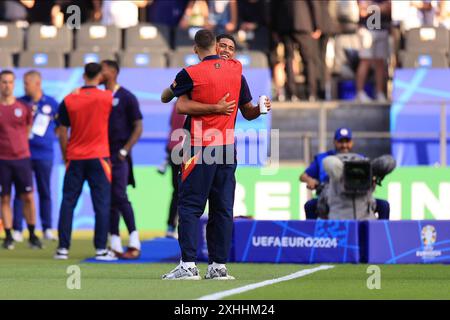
(224,107)
(312,184)
(268,104)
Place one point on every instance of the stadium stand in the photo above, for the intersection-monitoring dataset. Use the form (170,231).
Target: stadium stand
(49,38)
(11,38)
(252,59)
(143,60)
(427,39)
(97,37)
(429,59)
(147,37)
(36,59)
(179,59)
(6,60)
(80,58)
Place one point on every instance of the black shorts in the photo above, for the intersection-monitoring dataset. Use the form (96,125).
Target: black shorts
(17,172)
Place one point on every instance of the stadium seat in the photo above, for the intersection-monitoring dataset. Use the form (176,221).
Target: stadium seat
(11,38)
(147,37)
(184,38)
(424,60)
(35,59)
(80,58)
(49,38)
(180,59)
(427,39)
(253,59)
(97,37)
(143,60)
(6,60)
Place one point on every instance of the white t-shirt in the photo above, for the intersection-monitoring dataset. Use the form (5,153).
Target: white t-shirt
(121,13)
(410,17)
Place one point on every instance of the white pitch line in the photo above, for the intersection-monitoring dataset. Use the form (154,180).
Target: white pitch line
(298,274)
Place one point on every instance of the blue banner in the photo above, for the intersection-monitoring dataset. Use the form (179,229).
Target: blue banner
(417,98)
(396,242)
(296,241)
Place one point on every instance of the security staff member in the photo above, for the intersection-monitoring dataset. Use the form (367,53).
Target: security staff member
(211,133)
(15,162)
(86,154)
(125,129)
(41,146)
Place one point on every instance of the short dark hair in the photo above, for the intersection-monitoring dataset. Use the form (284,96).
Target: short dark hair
(112,64)
(204,39)
(32,73)
(226,36)
(6,71)
(91,70)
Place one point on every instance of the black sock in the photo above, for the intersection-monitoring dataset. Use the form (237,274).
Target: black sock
(31,230)
(8,233)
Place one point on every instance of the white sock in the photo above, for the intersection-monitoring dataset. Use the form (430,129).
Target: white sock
(188,264)
(116,243)
(218,265)
(134,240)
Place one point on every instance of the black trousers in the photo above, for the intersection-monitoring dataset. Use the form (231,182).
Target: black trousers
(308,48)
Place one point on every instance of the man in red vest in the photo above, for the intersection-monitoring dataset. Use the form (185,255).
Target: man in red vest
(86,154)
(209,161)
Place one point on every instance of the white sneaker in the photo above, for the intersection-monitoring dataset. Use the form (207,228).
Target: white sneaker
(116,244)
(17,236)
(134,241)
(48,235)
(381,98)
(363,97)
(61,254)
(183,272)
(105,255)
(218,272)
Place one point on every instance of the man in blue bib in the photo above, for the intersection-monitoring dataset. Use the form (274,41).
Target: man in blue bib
(41,141)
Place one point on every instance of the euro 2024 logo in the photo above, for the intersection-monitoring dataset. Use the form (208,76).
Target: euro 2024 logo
(428,236)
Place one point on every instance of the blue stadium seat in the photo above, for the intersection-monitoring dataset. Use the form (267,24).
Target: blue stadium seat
(80,58)
(142,60)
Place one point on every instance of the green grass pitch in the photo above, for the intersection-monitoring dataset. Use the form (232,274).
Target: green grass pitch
(33,274)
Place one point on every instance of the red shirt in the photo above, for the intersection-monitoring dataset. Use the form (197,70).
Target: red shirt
(87,114)
(15,120)
(208,82)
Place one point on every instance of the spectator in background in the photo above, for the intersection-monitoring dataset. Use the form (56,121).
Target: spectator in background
(414,14)
(90,11)
(166,12)
(444,14)
(327,26)
(252,14)
(14,10)
(195,15)
(41,146)
(295,23)
(122,14)
(374,49)
(223,16)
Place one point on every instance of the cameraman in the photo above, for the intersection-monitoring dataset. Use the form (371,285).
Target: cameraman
(315,176)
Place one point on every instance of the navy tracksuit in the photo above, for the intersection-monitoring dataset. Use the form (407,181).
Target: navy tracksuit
(216,183)
(99,182)
(42,170)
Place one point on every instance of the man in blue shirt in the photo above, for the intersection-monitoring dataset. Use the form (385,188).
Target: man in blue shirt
(125,129)
(315,174)
(41,140)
